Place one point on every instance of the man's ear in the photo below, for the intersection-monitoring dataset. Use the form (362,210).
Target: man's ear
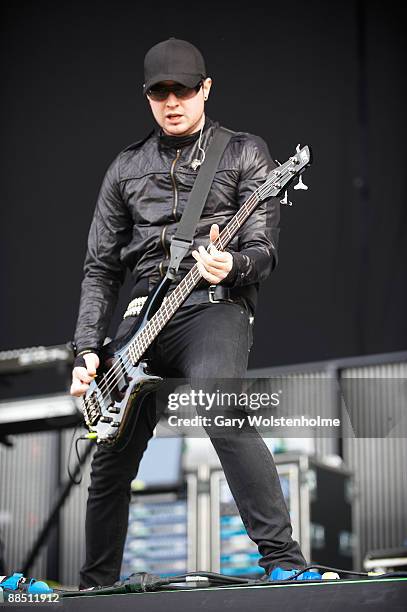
(207,87)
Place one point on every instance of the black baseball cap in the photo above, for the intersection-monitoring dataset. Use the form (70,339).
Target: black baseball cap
(173,60)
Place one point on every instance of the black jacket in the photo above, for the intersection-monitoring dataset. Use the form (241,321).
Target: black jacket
(141,200)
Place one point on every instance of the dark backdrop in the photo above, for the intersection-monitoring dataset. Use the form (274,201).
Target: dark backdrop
(328,74)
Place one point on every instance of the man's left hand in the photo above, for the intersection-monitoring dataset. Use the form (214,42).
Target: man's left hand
(214,265)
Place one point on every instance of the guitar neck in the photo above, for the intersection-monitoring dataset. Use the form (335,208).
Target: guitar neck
(171,304)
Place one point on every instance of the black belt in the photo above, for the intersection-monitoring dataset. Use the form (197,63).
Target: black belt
(213,294)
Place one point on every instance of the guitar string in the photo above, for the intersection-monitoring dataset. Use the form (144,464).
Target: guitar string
(194,277)
(115,369)
(110,376)
(104,386)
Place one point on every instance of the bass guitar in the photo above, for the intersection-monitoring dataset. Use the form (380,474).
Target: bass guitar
(111,404)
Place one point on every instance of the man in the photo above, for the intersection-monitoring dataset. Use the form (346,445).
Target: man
(140,203)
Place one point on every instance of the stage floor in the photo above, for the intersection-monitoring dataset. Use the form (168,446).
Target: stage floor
(379,595)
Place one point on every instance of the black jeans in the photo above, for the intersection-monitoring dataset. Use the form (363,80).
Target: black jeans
(203,340)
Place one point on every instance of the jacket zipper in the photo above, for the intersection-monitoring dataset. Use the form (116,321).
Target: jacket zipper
(174,212)
(166,252)
(174,184)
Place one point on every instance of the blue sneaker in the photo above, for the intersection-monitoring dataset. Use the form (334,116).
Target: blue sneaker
(12,582)
(38,586)
(309,575)
(17,582)
(281,574)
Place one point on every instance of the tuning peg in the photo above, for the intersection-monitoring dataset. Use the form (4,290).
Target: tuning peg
(285,199)
(298,148)
(300,184)
(277,162)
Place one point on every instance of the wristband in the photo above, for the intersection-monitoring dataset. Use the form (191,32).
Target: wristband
(79,362)
(85,351)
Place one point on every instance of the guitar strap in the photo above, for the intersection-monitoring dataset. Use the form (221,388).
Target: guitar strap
(183,238)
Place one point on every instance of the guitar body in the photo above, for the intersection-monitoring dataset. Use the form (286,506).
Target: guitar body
(114,398)
(118,417)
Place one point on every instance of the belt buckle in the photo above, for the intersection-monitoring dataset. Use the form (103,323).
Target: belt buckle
(211,293)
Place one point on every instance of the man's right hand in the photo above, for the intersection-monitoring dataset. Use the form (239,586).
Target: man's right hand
(82,377)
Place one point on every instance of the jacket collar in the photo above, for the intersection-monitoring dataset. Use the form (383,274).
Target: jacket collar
(178,142)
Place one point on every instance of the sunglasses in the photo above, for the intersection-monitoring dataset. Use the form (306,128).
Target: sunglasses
(159,93)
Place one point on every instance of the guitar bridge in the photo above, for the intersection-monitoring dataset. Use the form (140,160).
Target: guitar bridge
(91,409)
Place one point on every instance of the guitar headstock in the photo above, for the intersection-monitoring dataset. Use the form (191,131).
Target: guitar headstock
(282,176)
